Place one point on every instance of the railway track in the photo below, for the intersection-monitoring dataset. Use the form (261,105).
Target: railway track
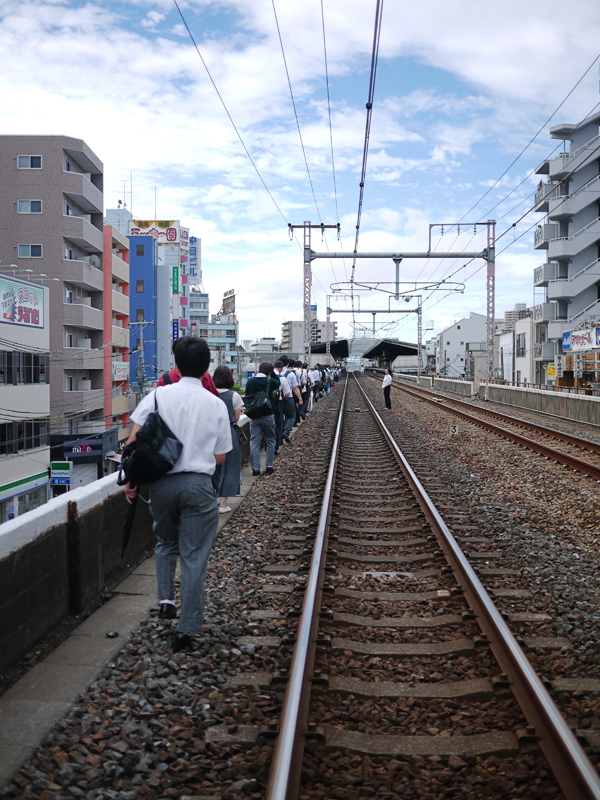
(538,435)
(404,675)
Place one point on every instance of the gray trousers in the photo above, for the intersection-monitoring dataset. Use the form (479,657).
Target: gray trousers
(185,513)
(259,428)
(289,414)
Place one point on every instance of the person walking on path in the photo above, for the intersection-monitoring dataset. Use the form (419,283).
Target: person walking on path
(263,427)
(386,386)
(183,503)
(285,394)
(230,481)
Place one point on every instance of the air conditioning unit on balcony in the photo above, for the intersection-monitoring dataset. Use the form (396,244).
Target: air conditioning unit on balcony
(87,343)
(84,386)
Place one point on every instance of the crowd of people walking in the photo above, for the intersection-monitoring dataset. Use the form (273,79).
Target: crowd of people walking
(199,414)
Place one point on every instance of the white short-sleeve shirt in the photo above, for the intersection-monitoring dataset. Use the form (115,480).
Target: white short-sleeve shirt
(197,417)
(236,400)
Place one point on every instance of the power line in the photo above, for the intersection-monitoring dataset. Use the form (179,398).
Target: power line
(531,141)
(228,114)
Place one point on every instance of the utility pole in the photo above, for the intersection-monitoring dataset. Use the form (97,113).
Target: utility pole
(308,277)
(491,300)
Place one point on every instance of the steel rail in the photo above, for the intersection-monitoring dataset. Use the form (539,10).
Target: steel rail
(575,463)
(286,766)
(574,772)
(584,444)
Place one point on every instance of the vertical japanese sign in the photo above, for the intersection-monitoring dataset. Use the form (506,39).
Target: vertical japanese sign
(175,280)
(175,329)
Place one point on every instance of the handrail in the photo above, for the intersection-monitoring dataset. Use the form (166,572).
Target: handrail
(577,274)
(573,235)
(583,147)
(585,310)
(577,777)
(286,751)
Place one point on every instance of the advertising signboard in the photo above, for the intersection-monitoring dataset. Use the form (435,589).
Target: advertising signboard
(22,303)
(60,473)
(551,371)
(194,260)
(566,342)
(175,329)
(120,370)
(175,280)
(163,230)
(583,339)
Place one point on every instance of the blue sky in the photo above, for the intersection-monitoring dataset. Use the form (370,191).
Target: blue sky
(460,91)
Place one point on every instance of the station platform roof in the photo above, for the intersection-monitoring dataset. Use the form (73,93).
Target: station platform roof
(338,349)
(389,349)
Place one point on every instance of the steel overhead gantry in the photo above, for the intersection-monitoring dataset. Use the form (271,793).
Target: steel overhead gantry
(488,255)
(418,311)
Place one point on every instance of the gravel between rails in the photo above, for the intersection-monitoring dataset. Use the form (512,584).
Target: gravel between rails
(545,520)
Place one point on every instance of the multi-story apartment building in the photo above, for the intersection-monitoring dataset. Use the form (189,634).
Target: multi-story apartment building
(292,333)
(116,331)
(51,224)
(24,396)
(570,235)
(454,345)
(198,307)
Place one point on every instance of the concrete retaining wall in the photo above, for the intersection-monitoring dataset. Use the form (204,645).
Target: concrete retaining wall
(425,379)
(464,388)
(578,407)
(55,560)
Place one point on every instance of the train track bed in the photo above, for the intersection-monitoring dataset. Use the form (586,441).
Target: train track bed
(586,431)
(543,521)
(142,730)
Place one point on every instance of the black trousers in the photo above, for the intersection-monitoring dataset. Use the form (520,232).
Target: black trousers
(386,395)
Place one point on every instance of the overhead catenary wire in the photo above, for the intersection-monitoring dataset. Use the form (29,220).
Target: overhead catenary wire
(369,106)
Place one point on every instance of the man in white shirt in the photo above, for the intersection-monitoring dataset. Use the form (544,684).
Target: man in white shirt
(183,502)
(289,409)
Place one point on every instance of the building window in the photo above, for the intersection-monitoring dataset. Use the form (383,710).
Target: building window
(139,315)
(521,349)
(68,253)
(139,287)
(68,165)
(68,210)
(30,206)
(29,162)
(30,251)
(68,383)
(139,249)
(68,339)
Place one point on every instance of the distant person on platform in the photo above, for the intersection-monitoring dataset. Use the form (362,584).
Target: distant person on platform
(387,386)
(183,502)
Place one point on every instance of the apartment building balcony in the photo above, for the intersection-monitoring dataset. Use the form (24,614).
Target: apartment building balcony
(82,233)
(543,235)
(120,269)
(120,405)
(80,273)
(80,315)
(544,273)
(82,191)
(543,351)
(83,358)
(84,399)
(571,287)
(120,303)
(544,312)
(545,191)
(120,336)
(569,246)
(566,206)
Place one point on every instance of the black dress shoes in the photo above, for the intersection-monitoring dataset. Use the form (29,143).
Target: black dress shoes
(182,641)
(167,611)
(255,473)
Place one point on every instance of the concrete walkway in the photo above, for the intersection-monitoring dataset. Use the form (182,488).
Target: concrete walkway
(33,706)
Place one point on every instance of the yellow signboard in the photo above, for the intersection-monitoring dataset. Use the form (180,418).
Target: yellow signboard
(551,371)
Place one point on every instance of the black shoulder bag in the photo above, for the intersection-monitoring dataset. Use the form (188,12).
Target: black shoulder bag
(258,404)
(154,452)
